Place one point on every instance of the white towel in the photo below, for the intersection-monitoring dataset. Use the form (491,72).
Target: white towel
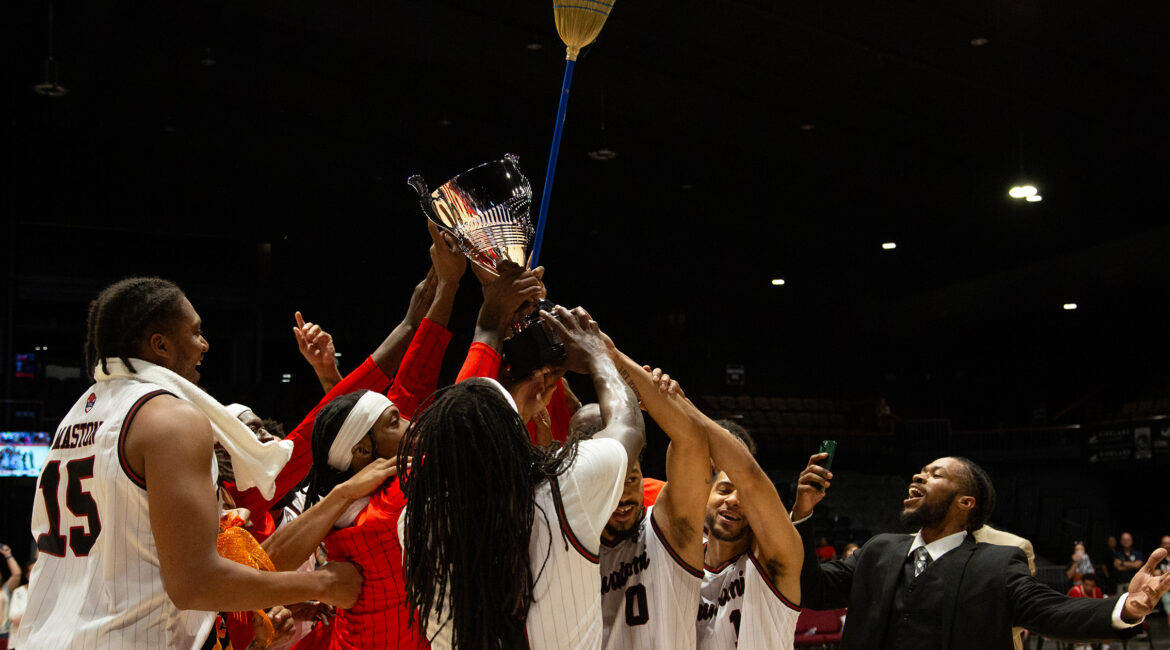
(254,464)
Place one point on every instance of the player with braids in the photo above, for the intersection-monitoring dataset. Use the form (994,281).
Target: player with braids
(501,538)
(125,313)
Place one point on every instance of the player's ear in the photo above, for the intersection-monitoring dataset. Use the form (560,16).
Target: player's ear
(965,503)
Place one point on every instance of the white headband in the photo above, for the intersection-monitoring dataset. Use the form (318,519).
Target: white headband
(237,410)
(503,391)
(357,424)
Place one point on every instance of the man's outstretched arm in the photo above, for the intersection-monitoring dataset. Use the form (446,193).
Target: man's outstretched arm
(169,446)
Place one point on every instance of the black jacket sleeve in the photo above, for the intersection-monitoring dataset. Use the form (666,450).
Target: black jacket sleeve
(823,586)
(1042,609)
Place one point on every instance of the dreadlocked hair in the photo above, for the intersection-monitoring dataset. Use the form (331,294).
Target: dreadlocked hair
(979,485)
(124,314)
(470,507)
(322,477)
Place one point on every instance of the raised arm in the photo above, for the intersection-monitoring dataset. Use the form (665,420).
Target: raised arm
(586,353)
(169,446)
(502,296)
(14,571)
(680,509)
(776,544)
(316,346)
(294,542)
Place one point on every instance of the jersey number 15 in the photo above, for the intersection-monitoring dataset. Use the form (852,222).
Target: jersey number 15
(79,502)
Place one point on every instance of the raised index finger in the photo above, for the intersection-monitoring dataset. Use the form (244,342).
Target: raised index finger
(300,319)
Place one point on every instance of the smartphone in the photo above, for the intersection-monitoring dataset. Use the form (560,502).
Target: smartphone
(827,447)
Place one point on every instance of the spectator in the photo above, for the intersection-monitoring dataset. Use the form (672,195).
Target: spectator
(18,604)
(1126,560)
(13,581)
(1087,588)
(849,549)
(825,550)
(1081,564)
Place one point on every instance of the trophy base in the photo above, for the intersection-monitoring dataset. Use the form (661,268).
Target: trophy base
(532,348)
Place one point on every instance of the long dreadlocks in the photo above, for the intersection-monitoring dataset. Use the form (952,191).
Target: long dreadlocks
(470,509)
(124,314)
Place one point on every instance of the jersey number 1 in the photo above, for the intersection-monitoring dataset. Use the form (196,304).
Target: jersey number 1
(78,501)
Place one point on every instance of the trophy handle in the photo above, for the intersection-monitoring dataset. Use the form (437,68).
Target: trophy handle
(424,199)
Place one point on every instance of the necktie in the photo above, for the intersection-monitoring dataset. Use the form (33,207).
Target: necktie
(921,560)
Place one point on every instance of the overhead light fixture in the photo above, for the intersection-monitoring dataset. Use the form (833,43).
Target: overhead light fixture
(889,246)
(535,47)
(1070,306)
(1022,191)
(978,42)
(776,282)
(603,154)
(807,127)
(1035,198)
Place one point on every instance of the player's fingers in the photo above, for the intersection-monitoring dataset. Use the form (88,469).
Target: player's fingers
(300,319)
(812,460)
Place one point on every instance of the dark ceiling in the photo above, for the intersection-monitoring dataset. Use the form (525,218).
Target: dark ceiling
(256,152)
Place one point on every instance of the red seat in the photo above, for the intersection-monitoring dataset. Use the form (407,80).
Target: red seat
(815,628)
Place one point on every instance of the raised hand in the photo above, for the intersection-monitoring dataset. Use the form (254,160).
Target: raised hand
(1146,589)
(581,336)
(807,494)
(421,299)
(447,260)
(664,383)
(505,295)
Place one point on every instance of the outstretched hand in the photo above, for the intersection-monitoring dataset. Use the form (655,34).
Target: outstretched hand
(1145,589)
(448,261)
(314,343)
(581,336)
(807,494)
(505,295)
(369,478)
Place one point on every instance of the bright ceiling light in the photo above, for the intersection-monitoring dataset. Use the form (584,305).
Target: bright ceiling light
(1035,198)
(889,246)
(1069,306)
(1022,191)
(776,282)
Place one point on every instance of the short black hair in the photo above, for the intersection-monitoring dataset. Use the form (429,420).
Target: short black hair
(979,486)
(124,314)
(737,430)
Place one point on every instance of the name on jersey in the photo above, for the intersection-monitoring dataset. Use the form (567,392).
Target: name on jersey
(731,591)
(76,435)
(618,579)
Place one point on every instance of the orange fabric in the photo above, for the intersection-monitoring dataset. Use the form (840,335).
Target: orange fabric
(236,544)
(651,487)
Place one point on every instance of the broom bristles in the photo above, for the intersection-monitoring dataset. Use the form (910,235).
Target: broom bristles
(579,22)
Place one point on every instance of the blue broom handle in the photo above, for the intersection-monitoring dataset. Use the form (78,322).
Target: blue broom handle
(546,194)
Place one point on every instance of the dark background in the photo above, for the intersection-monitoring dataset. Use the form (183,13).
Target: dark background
(256,153)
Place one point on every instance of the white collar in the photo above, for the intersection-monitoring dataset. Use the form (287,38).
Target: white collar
(940,546)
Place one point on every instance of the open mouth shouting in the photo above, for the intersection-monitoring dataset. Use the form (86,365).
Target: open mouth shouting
(916,494)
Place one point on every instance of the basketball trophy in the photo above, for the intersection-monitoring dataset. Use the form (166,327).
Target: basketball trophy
(486,210)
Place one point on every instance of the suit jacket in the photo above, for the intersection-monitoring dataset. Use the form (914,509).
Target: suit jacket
(968,599)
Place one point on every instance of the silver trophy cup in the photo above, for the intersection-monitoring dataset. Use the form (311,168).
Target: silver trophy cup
(486,209)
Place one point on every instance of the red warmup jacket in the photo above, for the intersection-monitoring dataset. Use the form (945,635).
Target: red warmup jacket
(417,378)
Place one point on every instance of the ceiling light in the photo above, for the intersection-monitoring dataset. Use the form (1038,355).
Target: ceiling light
(776,282)
(889,246)
(535,47)
(1022,191)
(978,42)
(603,154)
(1069,306)
(1035,198)
(807,127)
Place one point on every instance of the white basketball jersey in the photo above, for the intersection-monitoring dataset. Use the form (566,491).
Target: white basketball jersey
(742,609)
(649,596)
(566,608)
(97,582)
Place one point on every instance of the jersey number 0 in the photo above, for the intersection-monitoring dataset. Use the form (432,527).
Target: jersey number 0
(79,502)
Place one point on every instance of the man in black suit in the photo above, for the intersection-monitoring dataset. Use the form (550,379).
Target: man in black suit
(939,589)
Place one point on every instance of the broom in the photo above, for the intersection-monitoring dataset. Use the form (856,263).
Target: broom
(578,23)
